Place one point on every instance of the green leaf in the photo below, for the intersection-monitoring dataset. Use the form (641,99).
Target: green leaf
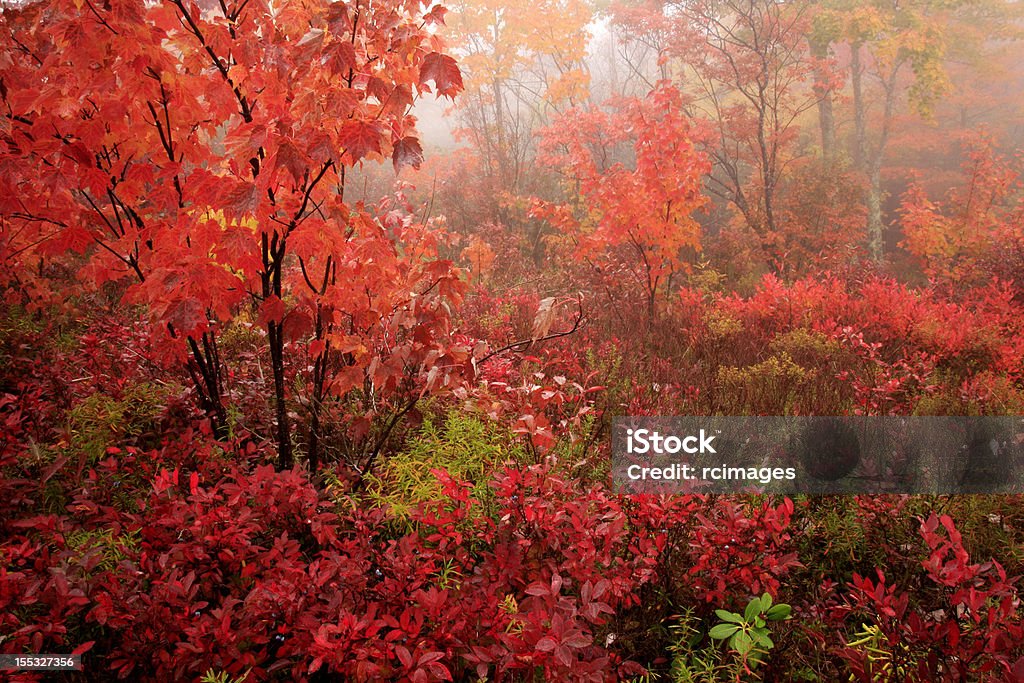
(779,612)
(742,643)
(753,609)
(722,631)
(731,617)
(766,601)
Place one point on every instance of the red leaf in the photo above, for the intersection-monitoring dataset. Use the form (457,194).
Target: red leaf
(435,15)
(293,160)
(80,153)
(546,644)
(309,45)
(272,310)
(445,73)
(360,138)
(404,656)
(429,657)
(346,54)
(187,316)
(242,200)
(407,152)
(296,324)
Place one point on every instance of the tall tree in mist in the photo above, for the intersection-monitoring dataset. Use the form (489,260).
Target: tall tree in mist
(748,67)
(896,55)
(523,62)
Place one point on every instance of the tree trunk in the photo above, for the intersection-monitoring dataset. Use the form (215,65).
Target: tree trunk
(319,392)
(273,251)
(275,337)
(768,168)
(876,241)
(499,131)
(859,115)
(205,370)
(869,158)
(826,114)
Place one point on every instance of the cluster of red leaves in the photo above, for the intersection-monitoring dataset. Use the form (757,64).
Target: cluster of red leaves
(635,207)
(974,633)
(248,569)
(165,561)
(874,345)
(977,229)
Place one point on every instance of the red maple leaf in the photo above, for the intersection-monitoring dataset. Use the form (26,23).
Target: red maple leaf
(407,152)
(445,73)
(360,138)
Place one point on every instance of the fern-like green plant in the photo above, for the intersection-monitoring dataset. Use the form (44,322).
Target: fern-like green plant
(101,421)
(212,676)
(465,446)
(112,547)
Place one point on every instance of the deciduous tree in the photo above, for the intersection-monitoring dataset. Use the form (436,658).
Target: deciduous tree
(199,151)
(524,62)
(748,65)
(640,210)
(897,55)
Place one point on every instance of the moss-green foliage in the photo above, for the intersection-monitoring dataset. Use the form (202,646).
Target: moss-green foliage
(15,322)
(618,384)
(760,389)
(240,336)
(692,663)
(839,539)
(101,421)
(18,325)
(465,446)
(721,326)
(583,457)
(808,347)
(112,548)
(707,279)
(990,527)
(214,676)
(797,378)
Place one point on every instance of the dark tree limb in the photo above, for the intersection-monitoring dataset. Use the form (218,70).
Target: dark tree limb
(526,343)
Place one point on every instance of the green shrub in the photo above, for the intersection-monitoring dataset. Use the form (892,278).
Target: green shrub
(697,658)
(102,421)
(464,446)
(112,548)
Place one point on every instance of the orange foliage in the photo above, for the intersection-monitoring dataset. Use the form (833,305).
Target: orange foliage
(978,231)
(644,203)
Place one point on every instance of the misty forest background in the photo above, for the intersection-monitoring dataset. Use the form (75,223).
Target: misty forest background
(316,315)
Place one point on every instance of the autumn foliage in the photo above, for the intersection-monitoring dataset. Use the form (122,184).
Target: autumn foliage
(221,181)
(643,207)
(288,393)
(977,232)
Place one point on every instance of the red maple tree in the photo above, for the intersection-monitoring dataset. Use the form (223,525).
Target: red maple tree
(198,151)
